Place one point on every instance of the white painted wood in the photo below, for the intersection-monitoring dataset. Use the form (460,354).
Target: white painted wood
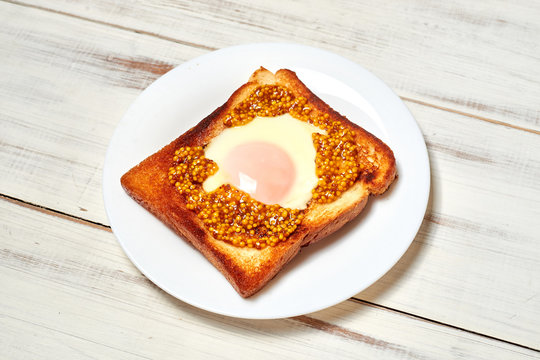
(474,264)
(68,291)
(476,256)
(66,83)
(479,57)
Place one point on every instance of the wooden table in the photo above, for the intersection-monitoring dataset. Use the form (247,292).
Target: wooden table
(469,285)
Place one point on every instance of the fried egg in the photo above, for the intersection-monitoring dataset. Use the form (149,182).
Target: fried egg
(270,158)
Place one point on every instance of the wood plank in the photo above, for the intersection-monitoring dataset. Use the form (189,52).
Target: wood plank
(63,92)
(70,287)
(479,58)
(479,214)
(476,255)
(23,339)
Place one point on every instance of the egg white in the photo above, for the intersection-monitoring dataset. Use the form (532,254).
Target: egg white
(292,135)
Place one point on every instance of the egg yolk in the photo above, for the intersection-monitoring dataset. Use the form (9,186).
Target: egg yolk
(261,169)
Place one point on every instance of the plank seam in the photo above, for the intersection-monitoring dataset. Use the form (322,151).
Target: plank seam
(53,212)
(440,323)
(120,27)
(463,113)
(337,330)
(204,47)
(305,319)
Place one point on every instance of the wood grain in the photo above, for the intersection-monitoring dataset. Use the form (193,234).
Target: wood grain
(479,58)
(479,233)
(63,92)
(70,287)
(474,264)
(477,249)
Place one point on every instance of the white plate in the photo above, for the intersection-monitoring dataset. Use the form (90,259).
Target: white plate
(323,274)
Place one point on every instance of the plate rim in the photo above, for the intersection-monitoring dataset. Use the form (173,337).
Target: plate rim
(272,45)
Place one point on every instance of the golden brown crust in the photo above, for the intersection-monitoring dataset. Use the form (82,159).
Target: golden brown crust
(248,270)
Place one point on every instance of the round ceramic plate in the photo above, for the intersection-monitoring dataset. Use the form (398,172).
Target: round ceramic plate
(324,273)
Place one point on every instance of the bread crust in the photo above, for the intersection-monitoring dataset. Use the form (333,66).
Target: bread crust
(249,269)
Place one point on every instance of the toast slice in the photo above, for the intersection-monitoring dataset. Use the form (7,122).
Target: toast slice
(249,269)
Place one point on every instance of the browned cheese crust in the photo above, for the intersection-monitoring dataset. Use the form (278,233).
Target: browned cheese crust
(249,269)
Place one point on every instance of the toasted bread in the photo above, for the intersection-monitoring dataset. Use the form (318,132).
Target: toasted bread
(249,269)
